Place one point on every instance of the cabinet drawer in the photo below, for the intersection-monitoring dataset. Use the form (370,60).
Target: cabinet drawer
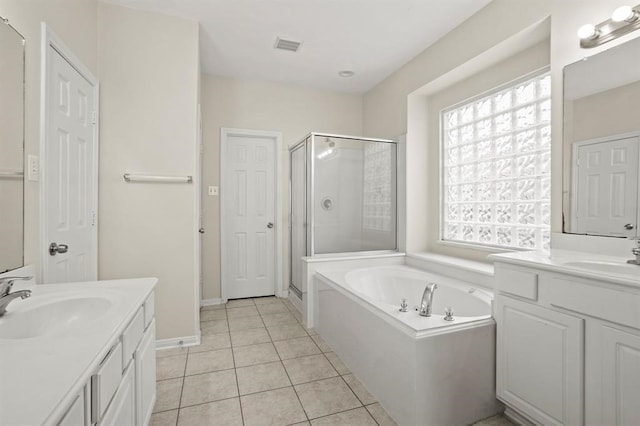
(149,310)
(519,282)
(132,336)
(105,382)
(601,302)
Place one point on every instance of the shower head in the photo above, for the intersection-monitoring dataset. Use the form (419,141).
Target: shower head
(329,142)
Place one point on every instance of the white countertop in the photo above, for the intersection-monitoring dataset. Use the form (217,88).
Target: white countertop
(561,261)
(40,376)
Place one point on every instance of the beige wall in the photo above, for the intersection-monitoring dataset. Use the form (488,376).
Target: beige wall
(292,110)
(74,21)
(149,74)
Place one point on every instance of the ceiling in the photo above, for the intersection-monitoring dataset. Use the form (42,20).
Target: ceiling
(372,38)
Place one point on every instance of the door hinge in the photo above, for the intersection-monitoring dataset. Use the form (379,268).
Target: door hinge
(94,117)
(94,218)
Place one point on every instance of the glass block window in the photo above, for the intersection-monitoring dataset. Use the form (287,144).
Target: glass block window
(377,214)
(496,167)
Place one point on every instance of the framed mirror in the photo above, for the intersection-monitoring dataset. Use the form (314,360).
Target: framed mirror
(11,148)
(601,134)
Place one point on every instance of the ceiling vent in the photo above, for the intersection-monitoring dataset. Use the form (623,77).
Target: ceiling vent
(289,45)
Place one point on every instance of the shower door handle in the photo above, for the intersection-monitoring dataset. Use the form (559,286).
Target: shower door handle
(270,225)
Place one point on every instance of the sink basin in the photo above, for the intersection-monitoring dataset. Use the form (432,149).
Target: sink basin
(611,267)
(42,318)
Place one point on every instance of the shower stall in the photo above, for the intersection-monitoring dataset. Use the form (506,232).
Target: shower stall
(342,198)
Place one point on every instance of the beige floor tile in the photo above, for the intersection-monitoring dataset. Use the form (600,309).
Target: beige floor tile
(266,300)
(308,368)
(203,362)
(325,397)
(166,418)
(163,353)
(311,331)
(294,348)
(170,367)
(278,318)
(214,327)
(211,342)
(249,337)
(254,354)
(290,306)
(245,323)
(357,417)
(243,311)
(274,407)
(321,343)
(262,377)
(499,420)
(286,331)
(298,316)
(272,308)
(168,394)
(380,415)
(223,413)
(302,424)
(209,387)
(358,388)
(337,363)
(213,307)
(218,314)
(236,303)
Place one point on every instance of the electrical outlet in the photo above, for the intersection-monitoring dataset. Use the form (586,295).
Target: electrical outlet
(213,190)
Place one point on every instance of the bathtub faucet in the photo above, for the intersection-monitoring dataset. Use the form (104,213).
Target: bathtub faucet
(427,300)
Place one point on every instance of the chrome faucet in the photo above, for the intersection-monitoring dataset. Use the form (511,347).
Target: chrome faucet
(636,252)
(427,300)
(5,287)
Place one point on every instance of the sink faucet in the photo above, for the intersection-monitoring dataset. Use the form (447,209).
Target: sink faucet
(5,287)
(636,252)
(427,300)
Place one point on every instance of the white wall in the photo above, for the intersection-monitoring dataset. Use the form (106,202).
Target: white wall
(292,110)
(74,21)
(149,71)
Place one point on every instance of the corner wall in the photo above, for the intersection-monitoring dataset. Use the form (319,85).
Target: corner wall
(149,71)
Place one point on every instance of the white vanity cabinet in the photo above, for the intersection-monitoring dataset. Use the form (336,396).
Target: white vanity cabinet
(122,390)
(568,347)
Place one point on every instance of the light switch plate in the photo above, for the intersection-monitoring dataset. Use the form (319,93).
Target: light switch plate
(33,168)
(213,190)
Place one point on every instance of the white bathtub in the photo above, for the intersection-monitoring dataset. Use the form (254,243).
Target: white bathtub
(423,370)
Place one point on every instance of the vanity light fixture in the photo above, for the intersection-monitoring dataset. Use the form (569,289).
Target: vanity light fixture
(623,20)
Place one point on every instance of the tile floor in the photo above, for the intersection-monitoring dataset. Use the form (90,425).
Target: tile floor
(257,365)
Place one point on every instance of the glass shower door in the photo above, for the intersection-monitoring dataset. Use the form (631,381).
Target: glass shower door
(298,243)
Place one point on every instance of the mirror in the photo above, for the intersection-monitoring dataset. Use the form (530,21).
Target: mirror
(601,134)
(11,147)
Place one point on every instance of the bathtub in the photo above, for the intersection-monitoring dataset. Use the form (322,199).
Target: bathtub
(423,370)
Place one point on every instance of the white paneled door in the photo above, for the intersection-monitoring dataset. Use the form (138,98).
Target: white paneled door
(248,208)
(69,174)
(606,187)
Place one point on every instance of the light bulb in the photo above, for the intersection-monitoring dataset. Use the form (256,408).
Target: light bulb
(624,13)
(588,32)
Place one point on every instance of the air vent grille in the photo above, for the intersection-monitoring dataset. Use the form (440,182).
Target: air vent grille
(289,45)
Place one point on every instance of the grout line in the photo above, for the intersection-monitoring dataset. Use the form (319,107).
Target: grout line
(346,411)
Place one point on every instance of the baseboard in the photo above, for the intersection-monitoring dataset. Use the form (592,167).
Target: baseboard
(178,342)
(212,302)
(283,294)
(517,418)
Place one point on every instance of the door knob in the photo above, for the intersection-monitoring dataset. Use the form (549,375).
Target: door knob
(270,225)
(57,248)
(628,227)
(201,230)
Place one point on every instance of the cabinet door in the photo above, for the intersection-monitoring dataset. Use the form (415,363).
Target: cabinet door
(539,362)
(613,376)
(122,410)
(146,375)
(75,415)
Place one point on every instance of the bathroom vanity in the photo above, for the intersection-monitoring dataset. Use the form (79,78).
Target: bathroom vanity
(79,354)
(568,337)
